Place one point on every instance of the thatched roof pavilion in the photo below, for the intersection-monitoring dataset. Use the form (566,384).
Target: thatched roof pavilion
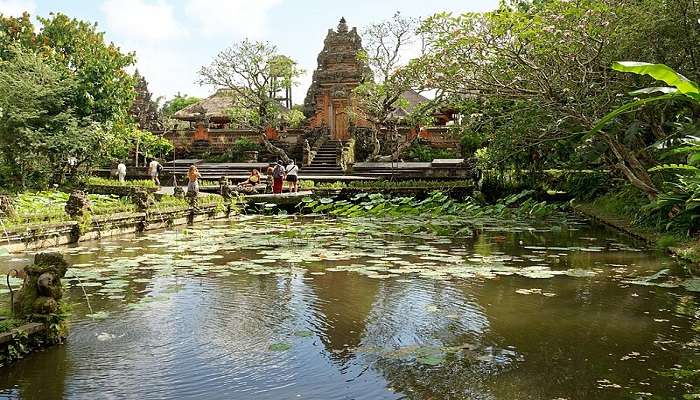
(215,108)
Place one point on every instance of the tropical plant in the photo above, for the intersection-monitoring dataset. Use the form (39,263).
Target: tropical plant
(533,76)
(680,197)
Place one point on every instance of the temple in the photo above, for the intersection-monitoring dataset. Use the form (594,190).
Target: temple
(329,99)
(329,107)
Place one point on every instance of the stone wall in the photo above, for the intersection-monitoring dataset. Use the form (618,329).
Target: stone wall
(221,140)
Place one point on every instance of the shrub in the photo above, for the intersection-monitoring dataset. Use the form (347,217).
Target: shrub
(424,152)
(469,144)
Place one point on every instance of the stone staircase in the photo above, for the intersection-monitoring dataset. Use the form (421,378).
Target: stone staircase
(325,162)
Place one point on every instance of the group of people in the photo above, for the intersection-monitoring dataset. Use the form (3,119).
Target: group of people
(275,177)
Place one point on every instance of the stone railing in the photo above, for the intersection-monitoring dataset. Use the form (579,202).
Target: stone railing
(346,156)
(311,151)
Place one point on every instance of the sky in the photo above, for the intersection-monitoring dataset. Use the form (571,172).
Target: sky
(173,39)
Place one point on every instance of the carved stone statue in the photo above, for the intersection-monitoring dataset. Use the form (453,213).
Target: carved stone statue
(142,199)
(179,192)
(6,207)
(77,204)
(42,288)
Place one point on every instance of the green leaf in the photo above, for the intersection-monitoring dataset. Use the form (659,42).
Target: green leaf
(633,105)
(663,73)
(669,167)
(652,90)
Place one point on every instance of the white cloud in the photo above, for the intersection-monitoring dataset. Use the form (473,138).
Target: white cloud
(142,20)
(240,17)
(15,8)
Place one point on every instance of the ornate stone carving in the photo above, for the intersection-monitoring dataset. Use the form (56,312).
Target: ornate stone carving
(142,199)
(77,204)
(6,207)
(339,71)
(42,288)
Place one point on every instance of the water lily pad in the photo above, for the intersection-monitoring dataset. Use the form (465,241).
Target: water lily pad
(303,334)
(98,315)
(432,359)
(280,347)
(692,285)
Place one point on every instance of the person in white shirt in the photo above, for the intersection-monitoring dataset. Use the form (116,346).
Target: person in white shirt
(154,168)
(121,171)
(292,177)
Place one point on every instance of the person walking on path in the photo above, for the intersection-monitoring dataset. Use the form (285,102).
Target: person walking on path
(154,169)
(292,177)
(278,178)
(121,171)
(193,176)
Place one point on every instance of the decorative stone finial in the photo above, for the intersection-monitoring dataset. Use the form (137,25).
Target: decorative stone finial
(343,26)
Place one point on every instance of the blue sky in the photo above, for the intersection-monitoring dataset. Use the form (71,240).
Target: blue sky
(174,38)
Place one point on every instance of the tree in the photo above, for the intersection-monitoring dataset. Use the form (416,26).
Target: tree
(541,71)
(40,128)
(386,42)
(144,110)
(65,94)
(177,103)
(254,72)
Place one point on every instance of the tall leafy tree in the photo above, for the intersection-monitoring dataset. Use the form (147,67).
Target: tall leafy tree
(386,44)
(65,95)
(254,72)
(40,127)
(145,110)
(541,72)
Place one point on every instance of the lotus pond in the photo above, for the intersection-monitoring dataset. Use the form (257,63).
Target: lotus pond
(315,308)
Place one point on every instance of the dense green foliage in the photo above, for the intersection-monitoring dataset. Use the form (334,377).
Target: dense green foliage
(426,153)
(533,78)
(437,203)
(64,94)
(143,183)
(177,103)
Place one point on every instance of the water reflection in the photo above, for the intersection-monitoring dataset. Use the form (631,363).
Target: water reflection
(258,311)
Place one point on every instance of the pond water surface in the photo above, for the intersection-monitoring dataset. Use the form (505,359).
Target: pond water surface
(296,308)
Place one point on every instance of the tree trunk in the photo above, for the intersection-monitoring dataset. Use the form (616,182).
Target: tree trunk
(274,149)
(376,146)
(631,168)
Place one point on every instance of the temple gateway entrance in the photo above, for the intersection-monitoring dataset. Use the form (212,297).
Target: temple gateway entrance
(340,125)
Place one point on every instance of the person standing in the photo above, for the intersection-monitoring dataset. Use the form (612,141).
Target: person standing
(121,171)
(278,178)
(268,179)
(193,176)
(292,177)
(154,169)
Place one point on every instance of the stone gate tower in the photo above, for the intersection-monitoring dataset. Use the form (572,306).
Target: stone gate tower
(339,71)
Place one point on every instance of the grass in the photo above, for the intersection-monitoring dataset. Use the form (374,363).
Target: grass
(97,181)
(622,208)
(9,324)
